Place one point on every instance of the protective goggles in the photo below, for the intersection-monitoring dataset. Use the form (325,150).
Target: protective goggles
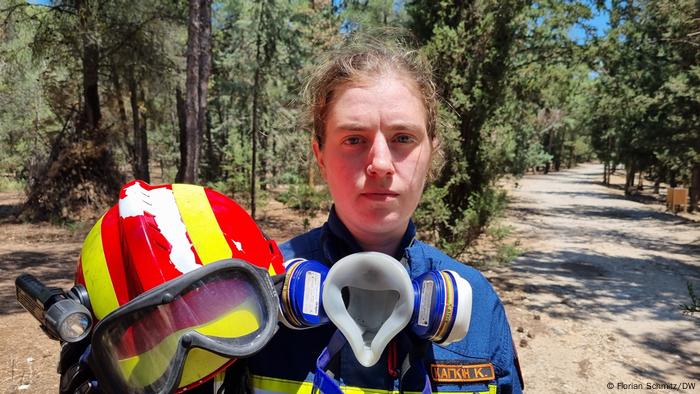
(179,333)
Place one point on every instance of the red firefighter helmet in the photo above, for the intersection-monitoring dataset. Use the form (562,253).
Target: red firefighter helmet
(155,236)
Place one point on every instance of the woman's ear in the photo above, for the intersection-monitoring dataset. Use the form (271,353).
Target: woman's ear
(435,144)
(318,154)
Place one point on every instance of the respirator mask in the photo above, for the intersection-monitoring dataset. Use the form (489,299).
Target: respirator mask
(370,298)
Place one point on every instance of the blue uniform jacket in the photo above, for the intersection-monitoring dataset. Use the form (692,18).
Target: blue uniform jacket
(287,363)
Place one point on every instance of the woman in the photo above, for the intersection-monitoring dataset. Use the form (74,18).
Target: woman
(374,114)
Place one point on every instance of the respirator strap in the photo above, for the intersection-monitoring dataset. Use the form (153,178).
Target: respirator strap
(414,359)
(326,384)
(322,380)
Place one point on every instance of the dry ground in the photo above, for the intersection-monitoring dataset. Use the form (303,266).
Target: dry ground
(28,359)
(593,300)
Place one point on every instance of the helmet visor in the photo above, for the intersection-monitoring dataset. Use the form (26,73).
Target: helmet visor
(228,311)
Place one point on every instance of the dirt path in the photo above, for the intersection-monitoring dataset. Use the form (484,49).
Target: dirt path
(595,300)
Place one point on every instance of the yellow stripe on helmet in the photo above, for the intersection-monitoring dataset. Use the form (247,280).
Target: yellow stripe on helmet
(97,279)
(201,224)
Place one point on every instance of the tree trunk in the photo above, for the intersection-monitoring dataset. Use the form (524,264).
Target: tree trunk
(140,138)
(263,159)
(204,70)
(611,164)
(273,164)
(135,126)
(640,182)
(143,142)
(558,158)
(213,162)
(672,178)
(260,63)
(694,188)
(606,168)
(572,157)
(192,103)
(123,120)
(198,70)
(182,125)
(629,179)
(256,88)
(91,109)
(550,149)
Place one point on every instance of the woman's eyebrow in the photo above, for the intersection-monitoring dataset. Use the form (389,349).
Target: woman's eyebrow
(351,126)
(405,126)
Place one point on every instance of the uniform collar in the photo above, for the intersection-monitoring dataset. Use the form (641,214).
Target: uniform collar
(338,242)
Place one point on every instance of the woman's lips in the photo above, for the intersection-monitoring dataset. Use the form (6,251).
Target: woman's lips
(380,196)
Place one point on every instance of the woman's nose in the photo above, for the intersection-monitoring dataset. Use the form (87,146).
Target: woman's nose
(380,161)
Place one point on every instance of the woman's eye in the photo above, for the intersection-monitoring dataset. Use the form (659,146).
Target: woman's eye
(404,139)
(352,140)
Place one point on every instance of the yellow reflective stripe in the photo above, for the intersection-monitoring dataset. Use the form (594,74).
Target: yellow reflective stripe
(143,369)
(240,322)
(200,364)
(201,224)
(275,385)
(97,280)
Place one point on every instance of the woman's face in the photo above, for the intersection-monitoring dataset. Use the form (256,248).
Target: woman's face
(376,155)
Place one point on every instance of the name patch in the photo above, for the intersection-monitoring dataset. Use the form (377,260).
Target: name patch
(462,373)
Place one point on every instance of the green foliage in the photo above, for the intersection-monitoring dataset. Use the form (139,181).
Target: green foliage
(498,231)
(8,184)
(26,121)
(518,91)
(364,15)
(506,253)
(433,213)
(306,199)
(649,58)
(291,34)
(468,45)
(500,65)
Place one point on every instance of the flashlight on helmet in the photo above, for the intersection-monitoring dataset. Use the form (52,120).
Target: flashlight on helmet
(62,315)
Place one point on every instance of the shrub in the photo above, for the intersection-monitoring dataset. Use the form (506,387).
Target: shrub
(305,198)
(433,213)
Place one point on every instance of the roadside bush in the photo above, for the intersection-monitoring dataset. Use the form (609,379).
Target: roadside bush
(305,199)
(10,185)
(433,213)
(289,178)
(506,253)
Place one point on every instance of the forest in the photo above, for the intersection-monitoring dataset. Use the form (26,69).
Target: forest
(94,93)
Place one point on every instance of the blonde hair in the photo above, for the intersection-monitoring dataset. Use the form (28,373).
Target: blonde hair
(362,59)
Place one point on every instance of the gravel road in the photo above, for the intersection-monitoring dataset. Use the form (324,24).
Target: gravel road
(594,302)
